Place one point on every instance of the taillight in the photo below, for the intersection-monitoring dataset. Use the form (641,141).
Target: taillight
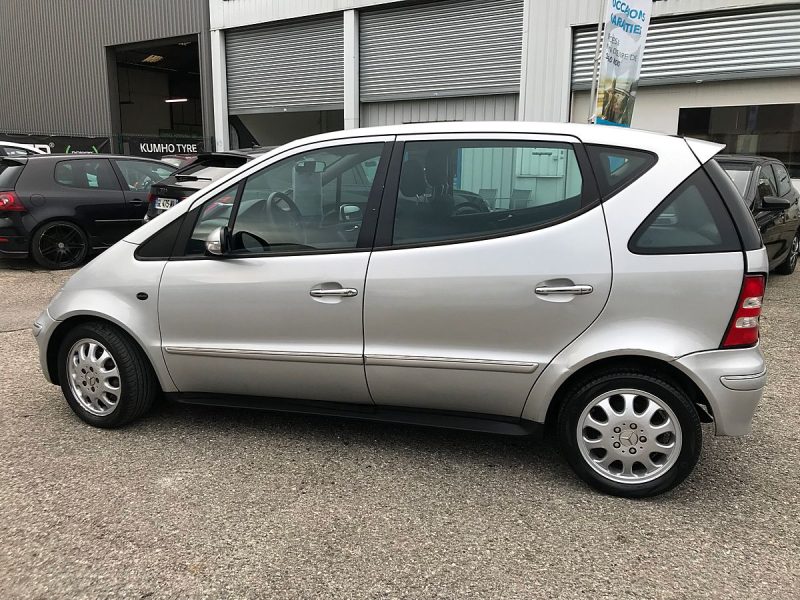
(151,198)
(10,202)
(743,330)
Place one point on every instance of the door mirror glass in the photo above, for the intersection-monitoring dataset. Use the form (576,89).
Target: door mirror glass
(774,203)
(350,212)
(217,242)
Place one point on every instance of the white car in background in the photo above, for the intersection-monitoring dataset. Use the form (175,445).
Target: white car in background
(15,149)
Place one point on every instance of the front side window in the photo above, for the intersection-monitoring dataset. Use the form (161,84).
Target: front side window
(692,219)
(451,190)
(140,175)
(314,201)
(88,174)
(782,178)
(767,186)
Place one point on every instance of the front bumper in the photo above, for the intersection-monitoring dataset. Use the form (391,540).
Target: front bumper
(43,328)
(732,381)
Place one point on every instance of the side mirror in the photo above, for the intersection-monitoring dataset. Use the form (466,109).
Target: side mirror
(774,203)
(349,212)
(218,242)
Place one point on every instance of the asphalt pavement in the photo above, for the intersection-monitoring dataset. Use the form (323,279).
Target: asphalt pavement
(195,502)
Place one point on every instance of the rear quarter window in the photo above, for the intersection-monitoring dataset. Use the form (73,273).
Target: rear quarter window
(616,168)
(692,219)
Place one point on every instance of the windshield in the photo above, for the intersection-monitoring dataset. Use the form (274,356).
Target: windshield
(739,174)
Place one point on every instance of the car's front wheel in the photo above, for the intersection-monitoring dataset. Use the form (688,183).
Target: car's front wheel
(788,266)
(629,433)
(104,375)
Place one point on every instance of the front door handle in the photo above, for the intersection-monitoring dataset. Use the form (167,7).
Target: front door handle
(341,292)
(575,290)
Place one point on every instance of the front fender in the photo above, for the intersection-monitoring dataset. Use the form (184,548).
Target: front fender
(107,288)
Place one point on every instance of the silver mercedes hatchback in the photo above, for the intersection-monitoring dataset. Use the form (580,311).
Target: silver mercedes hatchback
(500,277)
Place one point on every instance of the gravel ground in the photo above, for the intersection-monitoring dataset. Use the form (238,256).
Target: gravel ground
(196,502)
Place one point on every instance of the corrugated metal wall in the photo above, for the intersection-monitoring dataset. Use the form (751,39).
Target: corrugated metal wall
(286,66)
(706,47)
(477,108)
(53,72)
(443,48)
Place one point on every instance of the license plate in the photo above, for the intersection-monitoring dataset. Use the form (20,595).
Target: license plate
(165,203)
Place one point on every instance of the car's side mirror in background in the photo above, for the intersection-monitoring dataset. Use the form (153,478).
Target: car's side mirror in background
(217,242)
(350,212)
(774,203)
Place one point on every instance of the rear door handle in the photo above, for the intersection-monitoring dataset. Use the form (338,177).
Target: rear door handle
(575,290)
(341,292)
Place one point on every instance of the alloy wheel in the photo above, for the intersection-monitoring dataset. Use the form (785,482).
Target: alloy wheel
(794,251)
(93,377)
(629,436)
(62,244)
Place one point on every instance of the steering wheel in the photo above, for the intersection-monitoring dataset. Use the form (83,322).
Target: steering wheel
(281,207)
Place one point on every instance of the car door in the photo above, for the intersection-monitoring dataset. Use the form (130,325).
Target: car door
(770,222)
(280,314)
(466,304)
(791,216)
(136,177)
(88,189)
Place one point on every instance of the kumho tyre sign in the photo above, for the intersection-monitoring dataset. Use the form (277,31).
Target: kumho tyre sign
(626,25)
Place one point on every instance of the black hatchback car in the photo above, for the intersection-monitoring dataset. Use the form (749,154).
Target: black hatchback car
(767,189)
(59,208)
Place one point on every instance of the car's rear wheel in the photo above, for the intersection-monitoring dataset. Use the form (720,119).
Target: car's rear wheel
(629,433)
(104,375)
(59,245)
(788,266)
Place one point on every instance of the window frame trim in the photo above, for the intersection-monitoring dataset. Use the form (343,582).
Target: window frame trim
(385,230)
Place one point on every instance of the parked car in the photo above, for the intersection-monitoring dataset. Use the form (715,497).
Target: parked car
(611,293)
(205,169)
(767,189)
(15,149)
(59,208)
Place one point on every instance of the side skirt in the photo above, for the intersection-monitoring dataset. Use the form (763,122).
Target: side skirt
(387,414)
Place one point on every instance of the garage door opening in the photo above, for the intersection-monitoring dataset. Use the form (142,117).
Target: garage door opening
(159,96)
(276,128)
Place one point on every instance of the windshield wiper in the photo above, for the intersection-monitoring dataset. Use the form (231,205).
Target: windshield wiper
(192,178)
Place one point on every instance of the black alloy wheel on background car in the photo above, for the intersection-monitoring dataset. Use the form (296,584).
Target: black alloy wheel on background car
(59,245)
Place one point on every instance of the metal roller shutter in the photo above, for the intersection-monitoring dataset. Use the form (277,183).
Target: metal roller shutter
(294,66)
(742,46)
(444,48)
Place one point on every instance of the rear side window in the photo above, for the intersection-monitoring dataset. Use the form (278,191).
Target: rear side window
(461,190)
(616,168)
(692,219)
(89,174)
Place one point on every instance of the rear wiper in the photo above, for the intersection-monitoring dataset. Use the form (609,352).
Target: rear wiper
(191,178)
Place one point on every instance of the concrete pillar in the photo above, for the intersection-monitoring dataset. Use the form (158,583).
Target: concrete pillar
(220,93)
(352,105)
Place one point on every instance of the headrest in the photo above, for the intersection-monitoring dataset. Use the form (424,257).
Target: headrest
(436,171)
(412,179)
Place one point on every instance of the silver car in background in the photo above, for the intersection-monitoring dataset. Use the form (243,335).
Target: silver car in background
(603,283)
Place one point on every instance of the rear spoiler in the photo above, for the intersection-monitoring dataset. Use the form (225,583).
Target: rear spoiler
(703,150)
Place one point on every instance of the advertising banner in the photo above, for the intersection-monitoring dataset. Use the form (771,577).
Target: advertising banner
(62,144)
(626,24)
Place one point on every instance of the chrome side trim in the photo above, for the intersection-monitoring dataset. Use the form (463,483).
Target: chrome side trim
(276,355)
(439,362)
(744,382)
(341,292)
(577,290)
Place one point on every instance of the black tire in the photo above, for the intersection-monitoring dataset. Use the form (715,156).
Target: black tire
(788,266)
(59,245)
(138,384)
(668,392)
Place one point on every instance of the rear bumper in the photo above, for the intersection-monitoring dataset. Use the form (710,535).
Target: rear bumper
(733,382)
(13,241)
